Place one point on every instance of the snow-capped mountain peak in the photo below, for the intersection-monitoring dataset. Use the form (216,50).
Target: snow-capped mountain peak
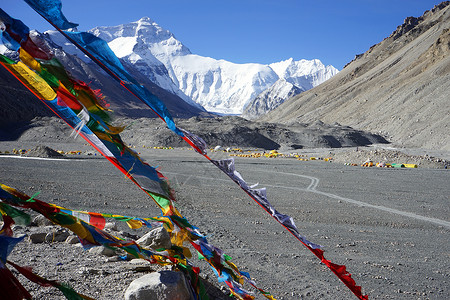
(304,73)
(147,46)
(158,40)
(218,85)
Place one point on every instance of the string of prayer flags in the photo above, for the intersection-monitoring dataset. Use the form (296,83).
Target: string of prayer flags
(259,195)
(47,75)
(99,220)
(100,53)
(50,83)
(89,236)
(83,40)
(90,233)
(110,145)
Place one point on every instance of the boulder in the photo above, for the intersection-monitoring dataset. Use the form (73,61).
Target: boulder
(57,236)
(101,250)
(164,285)
(38,237)
(111,226)
(139,265)
(40,220)
(72,239)
(156,239)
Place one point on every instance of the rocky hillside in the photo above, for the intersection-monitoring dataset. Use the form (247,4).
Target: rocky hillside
(399,87)
(228,131)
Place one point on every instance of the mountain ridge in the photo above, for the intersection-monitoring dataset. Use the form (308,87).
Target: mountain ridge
(218,85)
(400,87)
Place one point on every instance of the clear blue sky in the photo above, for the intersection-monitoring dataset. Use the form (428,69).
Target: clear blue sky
(242,31)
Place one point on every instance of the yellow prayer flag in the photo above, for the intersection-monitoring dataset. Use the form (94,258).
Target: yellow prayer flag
(134,224)
(31,80)
(29,60)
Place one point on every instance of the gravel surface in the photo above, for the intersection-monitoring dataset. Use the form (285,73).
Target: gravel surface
(359,156)
(390,227)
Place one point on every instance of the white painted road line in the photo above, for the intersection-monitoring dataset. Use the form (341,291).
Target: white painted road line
(40,158)
(315,181)
(312,188)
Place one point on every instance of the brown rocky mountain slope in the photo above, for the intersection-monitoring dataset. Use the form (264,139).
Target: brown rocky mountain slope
(399,87)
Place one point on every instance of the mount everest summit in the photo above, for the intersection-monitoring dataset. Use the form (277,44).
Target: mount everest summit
(217,85)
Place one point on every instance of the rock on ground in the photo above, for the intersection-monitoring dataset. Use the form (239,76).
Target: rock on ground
(155,239)
(164,285)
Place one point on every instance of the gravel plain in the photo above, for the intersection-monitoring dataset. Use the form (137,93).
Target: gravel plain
(390,227)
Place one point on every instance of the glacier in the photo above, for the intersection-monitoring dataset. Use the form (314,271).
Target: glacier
(270,99)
